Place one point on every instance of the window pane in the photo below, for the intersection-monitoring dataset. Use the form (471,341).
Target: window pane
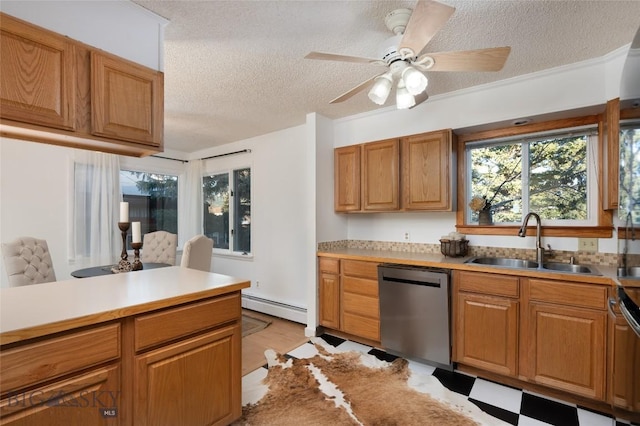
(242,209)
(153,200)
(216,209)
(630,172)
(496,175)
(558,178)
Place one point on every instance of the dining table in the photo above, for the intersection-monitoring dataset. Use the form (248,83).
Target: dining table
(95,271)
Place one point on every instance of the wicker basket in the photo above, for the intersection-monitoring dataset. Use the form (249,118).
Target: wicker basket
(454,248)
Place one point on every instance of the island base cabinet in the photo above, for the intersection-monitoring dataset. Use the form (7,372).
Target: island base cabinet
(92,398)
(192,382)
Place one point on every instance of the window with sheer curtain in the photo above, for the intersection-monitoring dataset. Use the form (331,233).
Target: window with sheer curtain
(95,237)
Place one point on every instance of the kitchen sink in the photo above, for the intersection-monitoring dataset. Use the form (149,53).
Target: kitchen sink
(530,264)
(503,261)
(569,267)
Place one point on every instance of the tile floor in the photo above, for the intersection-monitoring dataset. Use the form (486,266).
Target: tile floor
(514,406)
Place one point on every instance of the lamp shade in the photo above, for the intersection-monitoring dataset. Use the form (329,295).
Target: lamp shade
(404,99)
(415,81)
(381,89)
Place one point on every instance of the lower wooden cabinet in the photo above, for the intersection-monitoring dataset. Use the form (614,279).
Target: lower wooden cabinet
(200,373)
(624,374)
(348,297)
(486,321)
(566,336)
(549,332)
(90,398)
(180,365)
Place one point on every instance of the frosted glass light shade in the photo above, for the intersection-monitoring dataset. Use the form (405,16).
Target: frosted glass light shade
(404,99)
(415,81)
(381,89)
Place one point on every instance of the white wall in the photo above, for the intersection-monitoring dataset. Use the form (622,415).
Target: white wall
(283,236)
(575,87)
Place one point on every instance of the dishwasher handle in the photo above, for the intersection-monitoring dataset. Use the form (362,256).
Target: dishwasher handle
(412,282)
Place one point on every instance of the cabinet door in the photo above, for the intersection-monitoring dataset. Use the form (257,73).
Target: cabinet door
(329,300)
(92,398)
(625,374)
(427,172)
(346,195)
(37,76)
(193,382)
(487,333)
(380,175)
(567,348)
(127,100)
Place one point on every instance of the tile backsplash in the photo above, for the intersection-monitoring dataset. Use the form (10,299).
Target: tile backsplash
(582,257)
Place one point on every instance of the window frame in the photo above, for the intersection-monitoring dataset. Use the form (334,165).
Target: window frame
(604,227)
(230,172)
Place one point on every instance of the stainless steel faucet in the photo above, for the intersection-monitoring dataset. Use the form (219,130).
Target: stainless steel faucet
(523,233)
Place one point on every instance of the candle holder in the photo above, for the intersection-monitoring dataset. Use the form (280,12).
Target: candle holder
(123,265)
(136,265)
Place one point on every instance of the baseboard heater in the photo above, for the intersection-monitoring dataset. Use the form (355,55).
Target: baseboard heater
(275,308)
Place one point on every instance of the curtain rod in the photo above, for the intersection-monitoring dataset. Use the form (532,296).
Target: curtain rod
(205,158)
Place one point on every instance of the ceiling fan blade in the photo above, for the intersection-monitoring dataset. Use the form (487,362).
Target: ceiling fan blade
(492,59)
(342,58)
(426,20)
(359,88)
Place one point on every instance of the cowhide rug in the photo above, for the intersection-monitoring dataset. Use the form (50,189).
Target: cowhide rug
(352,388)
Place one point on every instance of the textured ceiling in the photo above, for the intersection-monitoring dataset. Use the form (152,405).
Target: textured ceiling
(235,69)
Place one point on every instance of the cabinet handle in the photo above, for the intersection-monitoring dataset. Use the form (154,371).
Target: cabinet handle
(610,305)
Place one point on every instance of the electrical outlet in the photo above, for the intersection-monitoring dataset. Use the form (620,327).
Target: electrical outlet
(406,236)
(257,284)
(588,244)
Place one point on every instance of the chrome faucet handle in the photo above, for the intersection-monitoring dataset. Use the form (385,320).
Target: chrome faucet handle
(549,251)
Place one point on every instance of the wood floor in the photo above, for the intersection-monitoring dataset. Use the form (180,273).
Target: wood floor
(281,335)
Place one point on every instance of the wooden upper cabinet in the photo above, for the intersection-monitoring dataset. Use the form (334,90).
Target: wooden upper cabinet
(380,175)
(346,194)
(59,91)
(428,171)
(126,100)
(37,75)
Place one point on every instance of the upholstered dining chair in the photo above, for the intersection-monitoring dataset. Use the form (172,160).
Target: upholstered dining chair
(159,247)
(196,253)
(28,261)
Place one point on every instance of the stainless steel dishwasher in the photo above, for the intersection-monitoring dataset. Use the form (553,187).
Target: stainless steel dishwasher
(414,313)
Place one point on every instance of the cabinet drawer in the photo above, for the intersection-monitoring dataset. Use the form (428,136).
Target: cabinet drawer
(171,324)
(478,282)
(360,305)
(568,293)
(360,286)
(358,268)
(327,264)
(36,362)
(368,328)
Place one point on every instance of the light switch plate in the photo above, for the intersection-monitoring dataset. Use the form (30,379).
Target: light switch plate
(588,244)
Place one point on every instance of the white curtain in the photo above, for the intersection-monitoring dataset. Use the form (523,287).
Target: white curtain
(95,236)
(191,205)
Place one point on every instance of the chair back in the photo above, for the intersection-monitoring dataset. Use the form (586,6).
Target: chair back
(196,253)
(28,261)
(159,247)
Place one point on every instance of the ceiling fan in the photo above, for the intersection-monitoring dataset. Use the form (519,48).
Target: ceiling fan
(401,54)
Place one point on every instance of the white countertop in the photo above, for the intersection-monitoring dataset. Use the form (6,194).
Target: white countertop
(41,309)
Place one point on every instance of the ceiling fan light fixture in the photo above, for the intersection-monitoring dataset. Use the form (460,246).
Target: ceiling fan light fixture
(404,99)
(415,81)
(381,89)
